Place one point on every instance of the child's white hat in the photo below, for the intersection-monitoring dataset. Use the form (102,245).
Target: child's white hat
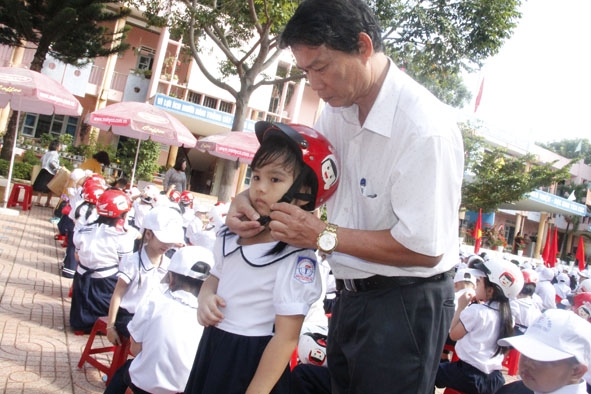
(556,335)
(166,224)
(192,261)
(468,275)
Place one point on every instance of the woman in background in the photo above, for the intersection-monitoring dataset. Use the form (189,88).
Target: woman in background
(50,163)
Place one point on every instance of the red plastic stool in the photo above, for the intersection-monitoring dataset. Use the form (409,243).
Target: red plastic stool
(511,362)
(120,352)
(16,191)
(451,391)
(293,361)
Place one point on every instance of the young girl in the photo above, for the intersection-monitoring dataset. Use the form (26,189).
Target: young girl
(99,248)
(483,316)
(260,290)
(143,271)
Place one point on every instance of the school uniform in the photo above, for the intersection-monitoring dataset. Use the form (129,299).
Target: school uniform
(579,388)
(166,325)
(478,370)
(524,312)
(256,288)
(100,248)
(547,293)
(142,278)
(140,209)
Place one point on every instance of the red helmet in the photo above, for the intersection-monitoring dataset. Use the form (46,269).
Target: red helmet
(582,305)
(113,203)
(317,152)
(175,196)
(187,197)
(530,276)
(97,178)
(92,191)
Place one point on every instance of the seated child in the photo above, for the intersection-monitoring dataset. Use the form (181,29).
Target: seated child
(465,280)
(164,331)
(555,353)
(524,308)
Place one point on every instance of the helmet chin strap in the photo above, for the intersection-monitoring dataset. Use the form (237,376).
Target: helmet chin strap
(289,196)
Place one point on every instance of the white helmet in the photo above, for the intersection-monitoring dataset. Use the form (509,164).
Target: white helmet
(585,286)
(505,274)
(312,349)
(149,194)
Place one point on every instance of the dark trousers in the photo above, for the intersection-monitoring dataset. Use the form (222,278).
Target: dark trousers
(389,340)
(310,379)
(464,377)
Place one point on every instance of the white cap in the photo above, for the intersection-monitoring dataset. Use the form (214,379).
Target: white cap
(562,278)
(217,215)
(556,335)
(585,286)
(192,261)
(468,275)
(77,174)
(166,224)
(585,274)
(546,273)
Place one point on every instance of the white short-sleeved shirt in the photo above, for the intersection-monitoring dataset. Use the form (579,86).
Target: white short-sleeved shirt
(410,155)
(545,289)
(524,311)
(562,290)
(140,209)
(257,287)
(482,324)
(141,277)
(101,247)
(166,325)
(579,388)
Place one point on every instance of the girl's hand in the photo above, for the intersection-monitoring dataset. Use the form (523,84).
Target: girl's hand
(209,313)
(466,299)
(113,336)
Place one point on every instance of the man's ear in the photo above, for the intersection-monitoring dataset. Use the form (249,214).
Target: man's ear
(365,45)
(579,371)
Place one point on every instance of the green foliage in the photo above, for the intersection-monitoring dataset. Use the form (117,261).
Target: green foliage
(46,139)
(499,178)
(21,170)
(146,162)
(66,139)
(31,158)
(567,148)
(434,41)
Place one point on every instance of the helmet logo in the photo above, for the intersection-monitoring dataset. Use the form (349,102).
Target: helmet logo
(506,279)
(329,171)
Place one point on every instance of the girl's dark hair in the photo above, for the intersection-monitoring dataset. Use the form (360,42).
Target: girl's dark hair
(334,23)
(102,157)
(506,326)
(179,164)
(88,211)
(108,221)
(187,283)
(53,145)
(528,289)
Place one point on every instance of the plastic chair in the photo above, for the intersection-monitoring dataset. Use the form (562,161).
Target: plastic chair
(27,201)
(511,362)
(120,352)
(451,391)
(451,349)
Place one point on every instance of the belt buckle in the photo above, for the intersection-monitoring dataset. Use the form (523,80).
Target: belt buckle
(350,285)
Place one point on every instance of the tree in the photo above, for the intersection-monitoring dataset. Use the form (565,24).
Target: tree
(432,46)
(146,161)
(497,177)
(569,149)
(435,40)
(71,31)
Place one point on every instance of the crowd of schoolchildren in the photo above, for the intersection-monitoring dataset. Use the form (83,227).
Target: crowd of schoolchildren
(146,260)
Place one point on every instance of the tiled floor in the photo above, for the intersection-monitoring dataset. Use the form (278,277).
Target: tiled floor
(38,351)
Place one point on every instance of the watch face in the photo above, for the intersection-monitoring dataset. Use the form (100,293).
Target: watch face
(327,241)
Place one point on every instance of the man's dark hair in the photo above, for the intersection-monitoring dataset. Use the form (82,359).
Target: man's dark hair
(102,157)
(334,23)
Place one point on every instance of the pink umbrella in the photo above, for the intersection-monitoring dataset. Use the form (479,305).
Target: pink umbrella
(30,91)
(233,145)
(142,121)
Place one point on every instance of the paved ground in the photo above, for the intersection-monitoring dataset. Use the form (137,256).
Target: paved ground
(38,351)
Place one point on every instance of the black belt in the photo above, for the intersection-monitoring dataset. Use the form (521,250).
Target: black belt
(383,282)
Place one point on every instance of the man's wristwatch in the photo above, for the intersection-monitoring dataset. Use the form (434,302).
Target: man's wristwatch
(327,240)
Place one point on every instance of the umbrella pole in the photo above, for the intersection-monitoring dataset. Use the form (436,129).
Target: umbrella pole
(137,151)
(7,189)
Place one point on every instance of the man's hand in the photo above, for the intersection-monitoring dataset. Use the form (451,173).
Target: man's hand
(295,226)
(242,217)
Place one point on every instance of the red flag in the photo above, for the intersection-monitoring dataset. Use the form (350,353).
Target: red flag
(553,248)
(546,252)
(477,234)
(479,96)
(581,254)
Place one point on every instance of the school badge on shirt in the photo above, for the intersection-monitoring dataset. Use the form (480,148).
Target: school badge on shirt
(305,270)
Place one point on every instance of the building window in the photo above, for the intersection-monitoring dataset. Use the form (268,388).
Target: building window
(210,102)
(144,62)
(34,125)
(194,97)
(226,107)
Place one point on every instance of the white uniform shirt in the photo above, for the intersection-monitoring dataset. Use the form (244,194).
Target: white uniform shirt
(477,347)
(563,290)
(547,293)
(579,388)
(257,287)
(411,158)
(101,247)
(141,277)
(51,161)
(524,311)
(166,325)
(140,209)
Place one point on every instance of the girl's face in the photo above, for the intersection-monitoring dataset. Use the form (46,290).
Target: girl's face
(481,289)
(268,184)
(155,246)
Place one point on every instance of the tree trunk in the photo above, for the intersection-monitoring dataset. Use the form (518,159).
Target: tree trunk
(227,180)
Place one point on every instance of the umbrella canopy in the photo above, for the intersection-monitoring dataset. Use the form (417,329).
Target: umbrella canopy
(30,91)
(233,145)
(142,121)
